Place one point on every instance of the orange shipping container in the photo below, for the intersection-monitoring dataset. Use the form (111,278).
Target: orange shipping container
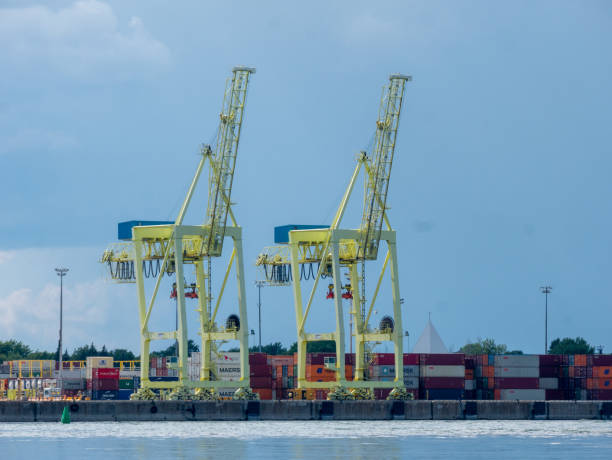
(469,374)
(571,372)
(580,360)
(498,394)
(599,384)
(602,372)
(264,393)
(491,383)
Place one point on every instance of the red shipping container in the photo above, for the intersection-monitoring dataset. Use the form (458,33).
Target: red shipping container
(105,384)
(260,370)
(601,395)
(551,360)
(556,395)
(411,359)
(384,359)
(261,382)
(258,359)
(442,382)
(264,393)
(549,371)
(447,359)
(104,373)
(601,360)
(518,383)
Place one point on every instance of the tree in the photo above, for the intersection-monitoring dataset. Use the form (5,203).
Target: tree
(487,347)
(121,354)
(275,348)
(323,346)
(171,350)
(567,346)
(82,353)
(13,349)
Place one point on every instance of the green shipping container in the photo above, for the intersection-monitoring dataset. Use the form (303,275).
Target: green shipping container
(126,384)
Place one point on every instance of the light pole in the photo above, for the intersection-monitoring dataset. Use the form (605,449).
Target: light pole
(61,272)
(546,290)
(259,285)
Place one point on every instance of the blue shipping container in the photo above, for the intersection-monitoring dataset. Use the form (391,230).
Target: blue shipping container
(281,233)
(124,395)
(104,394)
(124,229)
(163,379)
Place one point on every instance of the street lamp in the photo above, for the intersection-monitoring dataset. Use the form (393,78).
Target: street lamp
(546,290)
(259,285)
(61,272)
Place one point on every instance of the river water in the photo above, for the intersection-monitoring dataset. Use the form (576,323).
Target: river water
(312,440)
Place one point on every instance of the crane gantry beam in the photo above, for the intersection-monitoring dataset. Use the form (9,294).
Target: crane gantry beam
(166,249)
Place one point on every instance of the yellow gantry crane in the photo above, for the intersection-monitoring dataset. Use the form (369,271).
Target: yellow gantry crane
(335,248)
(158,250)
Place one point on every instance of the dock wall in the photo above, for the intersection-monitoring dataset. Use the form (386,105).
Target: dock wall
(98,411)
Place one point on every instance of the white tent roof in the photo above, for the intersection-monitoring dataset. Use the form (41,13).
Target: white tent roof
(430,341)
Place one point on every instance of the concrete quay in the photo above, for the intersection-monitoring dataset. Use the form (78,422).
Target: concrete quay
(149,411)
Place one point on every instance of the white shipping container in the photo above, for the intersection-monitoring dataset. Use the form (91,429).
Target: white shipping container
(517,361)
(530,372)
(73,373)
(226,357)
(443,371)
(549,383)
(382,371)
(411,371)
(98,361)
(528,395)
(470,384)
(73,384)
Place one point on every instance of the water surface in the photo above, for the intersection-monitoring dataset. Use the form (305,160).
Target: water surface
(312,439)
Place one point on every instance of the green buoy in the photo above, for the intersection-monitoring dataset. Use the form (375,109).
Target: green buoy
(65,415)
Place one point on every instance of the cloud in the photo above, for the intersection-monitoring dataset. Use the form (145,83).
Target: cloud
(5,256)
(82,40)
(94,309)
(33,316)
(34,139)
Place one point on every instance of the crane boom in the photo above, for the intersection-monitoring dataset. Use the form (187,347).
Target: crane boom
(377,183)
(224,159)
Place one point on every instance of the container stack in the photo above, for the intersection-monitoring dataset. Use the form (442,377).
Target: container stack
(554,377)
(282,375)
(484,374)
(600,384)
(158,367)
(319,367)
(104,383)
(412,372)
(518,377)
(442,376)
(470,382)
(261,375)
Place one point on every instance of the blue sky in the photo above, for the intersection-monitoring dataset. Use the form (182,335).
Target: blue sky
(500,184)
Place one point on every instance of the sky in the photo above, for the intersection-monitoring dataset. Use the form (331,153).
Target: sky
(500,184)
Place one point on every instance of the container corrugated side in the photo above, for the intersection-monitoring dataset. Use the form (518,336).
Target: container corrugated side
(517,372)
(442,371)
(522,394)
(517,361)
